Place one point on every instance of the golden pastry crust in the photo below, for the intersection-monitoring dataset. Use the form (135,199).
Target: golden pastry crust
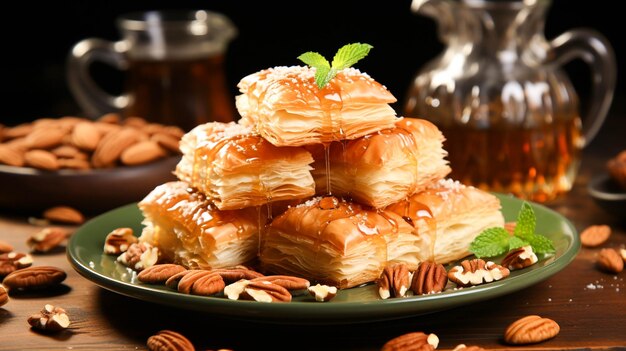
(236,168)
(190,231)
(288,109)
(384,167)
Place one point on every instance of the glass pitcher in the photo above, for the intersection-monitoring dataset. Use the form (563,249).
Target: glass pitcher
(508,111)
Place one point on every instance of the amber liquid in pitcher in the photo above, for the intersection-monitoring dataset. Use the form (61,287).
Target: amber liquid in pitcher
(536,164)
(179,92)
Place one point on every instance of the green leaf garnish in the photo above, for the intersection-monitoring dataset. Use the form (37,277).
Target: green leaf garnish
(491,242)
(345,57)
(496,241)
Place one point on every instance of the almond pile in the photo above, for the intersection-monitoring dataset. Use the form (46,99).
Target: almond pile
(79,143)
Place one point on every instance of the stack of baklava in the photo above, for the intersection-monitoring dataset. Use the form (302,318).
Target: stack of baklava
(326,184)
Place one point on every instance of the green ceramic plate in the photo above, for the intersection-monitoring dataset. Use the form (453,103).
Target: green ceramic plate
(360,304)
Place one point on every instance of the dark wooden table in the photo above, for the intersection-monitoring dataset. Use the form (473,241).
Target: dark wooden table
(589,318)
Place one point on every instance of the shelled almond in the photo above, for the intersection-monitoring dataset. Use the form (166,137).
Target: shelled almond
(79,143)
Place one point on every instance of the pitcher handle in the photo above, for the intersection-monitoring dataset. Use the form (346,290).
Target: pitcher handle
(593,48)
(92,99)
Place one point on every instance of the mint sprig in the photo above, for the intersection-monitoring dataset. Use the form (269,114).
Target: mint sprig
(496,241)
(345,57)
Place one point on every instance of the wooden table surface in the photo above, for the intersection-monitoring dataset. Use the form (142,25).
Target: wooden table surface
(589,318)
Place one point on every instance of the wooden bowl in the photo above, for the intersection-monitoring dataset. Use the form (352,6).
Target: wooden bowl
(31,191)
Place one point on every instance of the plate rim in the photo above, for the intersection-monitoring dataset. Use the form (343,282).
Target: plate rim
(336,312)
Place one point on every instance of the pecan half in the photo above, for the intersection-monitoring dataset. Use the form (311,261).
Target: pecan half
(172,282)
(5,247)
(12,261)
(34,278)
(50,319)
(610,261)
(288,282)
(201,282)
(159,273)
(139,256)
(4,295)
(394,281)
(264,291)
(64,214)
(323,293)
(46,239)
(231,275)
(429,278)
(416,341)
(531,329)
(118,241)
(595,235)
(167,340)
(519,258)
(476,271)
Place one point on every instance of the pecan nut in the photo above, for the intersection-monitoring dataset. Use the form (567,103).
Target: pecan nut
(201,282)
(159,273)
(394,281)
(610,261)
(12,261)
(5,247)
(172,282)
(264,291)
(50,319)
(323,293)
(288,282)
(595,235)
(167,340)
(139,256)
(415,341)
(64,214)
(519,258)
(118,241)
(429,278)
(4,295)
(530,329)
(46,239)
(231,275)
(34,278)
(476,271)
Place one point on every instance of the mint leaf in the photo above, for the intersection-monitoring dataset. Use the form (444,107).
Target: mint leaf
(526,222)
(350,54)
(491,242)
(515,242)
(541,244)
(345,57)
(314,59)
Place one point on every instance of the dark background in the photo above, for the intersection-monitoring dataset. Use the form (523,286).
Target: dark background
(37,38)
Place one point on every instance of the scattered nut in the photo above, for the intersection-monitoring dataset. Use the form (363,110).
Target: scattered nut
(5,247)
(531,329)
(288,282)
(172,282)
(139,256)
(201,282)
(46,239)
(12,261)
(476,271)
(159,273)
(323,293)
(519,258)
(167,340)
(34,278)
(264,291)
(617,168)
(429,278)
(416,341)
(394,281)
(50,319)
(231,275)
(595,235)
(234,290)
(610,261)
(64,214)
(4,295)
(118,241)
